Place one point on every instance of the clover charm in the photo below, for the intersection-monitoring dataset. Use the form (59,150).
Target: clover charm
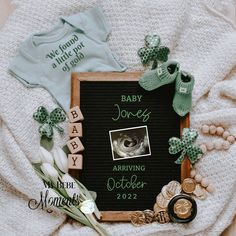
(153,51)
(185,146)
(48,121)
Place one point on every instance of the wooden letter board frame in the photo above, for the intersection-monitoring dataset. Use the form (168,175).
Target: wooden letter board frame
(76,78)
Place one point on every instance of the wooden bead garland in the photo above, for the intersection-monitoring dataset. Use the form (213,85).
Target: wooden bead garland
(212,129)
(204,182)
(218,144)
(219,130)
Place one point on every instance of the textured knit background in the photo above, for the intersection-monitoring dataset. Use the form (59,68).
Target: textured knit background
(201,36)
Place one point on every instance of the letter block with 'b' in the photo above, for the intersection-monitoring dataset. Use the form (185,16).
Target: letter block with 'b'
(75,145)
(75,114)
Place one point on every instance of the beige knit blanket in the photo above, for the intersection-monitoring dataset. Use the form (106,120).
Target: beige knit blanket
(202,38)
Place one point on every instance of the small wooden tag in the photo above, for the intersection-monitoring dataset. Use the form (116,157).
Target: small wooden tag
(75,130)
(75,114)
(75,145)
(75,161)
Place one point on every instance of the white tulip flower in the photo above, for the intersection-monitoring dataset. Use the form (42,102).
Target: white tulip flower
(87,206)
(49,171)
(60,159)
(45,156)
(68,182)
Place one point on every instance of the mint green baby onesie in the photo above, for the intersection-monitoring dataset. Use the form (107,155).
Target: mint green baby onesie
(78,43)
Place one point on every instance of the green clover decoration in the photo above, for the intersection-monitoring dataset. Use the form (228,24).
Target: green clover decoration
(185,146)
(49,121)
(153,51)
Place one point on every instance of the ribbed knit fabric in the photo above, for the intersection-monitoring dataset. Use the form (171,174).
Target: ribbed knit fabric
(201,38)
(185,87)
(182,102)
(153,79)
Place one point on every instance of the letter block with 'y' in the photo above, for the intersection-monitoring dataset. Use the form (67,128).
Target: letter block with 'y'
(75,114)
(75,161)
(75,145)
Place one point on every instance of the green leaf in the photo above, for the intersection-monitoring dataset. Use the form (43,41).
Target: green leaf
(82,220)
(46,142)
(66,150)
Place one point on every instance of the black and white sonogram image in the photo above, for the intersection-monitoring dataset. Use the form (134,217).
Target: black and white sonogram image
(130,143)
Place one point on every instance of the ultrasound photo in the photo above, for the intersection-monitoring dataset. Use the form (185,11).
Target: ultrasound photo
(130,143)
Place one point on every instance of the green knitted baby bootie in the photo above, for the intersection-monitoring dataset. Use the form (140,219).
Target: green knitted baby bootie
(182,102)
(164,74)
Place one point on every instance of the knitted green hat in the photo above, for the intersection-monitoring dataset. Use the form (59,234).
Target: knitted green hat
(164,74)
(182,102)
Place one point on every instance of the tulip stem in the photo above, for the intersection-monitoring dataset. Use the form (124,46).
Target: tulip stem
(88,195)
(97,226)
(75,217)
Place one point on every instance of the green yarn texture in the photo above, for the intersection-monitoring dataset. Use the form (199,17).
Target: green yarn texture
(182,102)
(164,74)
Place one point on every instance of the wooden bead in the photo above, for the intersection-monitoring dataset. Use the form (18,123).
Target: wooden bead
(75,130)
(204,148)
(75,161)
(75,145)
(75,114)
(198,178)
(210,146)
(220,130)
(218,144)
(212,129)
(205,182)
(192,173)
(226,145)
(210,188)
(226,134)
(231,139)
(205,129)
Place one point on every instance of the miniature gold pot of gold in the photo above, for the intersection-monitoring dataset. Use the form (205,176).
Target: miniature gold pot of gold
(182,209)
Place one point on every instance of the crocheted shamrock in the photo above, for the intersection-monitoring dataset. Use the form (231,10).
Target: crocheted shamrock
(48,121)
(153,51)
(186,145)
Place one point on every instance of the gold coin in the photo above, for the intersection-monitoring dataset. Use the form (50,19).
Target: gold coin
(173,188)
(188,185)
(161,201)
(156,208)
(183,208)
(138,218)
(185,216)
(149,216)
(200,192)
(165,193)
(162,217)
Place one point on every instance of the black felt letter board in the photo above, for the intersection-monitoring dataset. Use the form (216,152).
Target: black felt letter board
(128,183)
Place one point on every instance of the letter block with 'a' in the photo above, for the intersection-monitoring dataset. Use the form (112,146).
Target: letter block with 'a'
(75,145)
(75,114)
(75,130)
(75,161)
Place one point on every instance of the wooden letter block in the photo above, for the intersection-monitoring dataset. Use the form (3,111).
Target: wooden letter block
(75,114)
(75,161)
(75,130)
(75,145)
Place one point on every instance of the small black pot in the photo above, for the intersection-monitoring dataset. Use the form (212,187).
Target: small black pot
(176,218)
